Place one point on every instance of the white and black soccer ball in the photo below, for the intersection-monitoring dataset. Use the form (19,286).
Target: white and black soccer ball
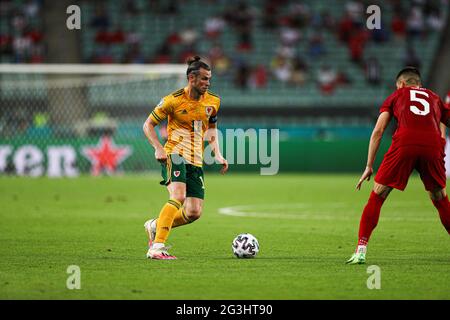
(245,245)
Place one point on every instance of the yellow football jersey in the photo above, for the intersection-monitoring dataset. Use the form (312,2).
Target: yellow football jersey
(187,122)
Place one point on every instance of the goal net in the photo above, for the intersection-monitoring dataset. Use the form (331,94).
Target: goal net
(67,120)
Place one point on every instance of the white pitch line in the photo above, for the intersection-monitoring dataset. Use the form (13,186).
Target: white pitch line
(309,214)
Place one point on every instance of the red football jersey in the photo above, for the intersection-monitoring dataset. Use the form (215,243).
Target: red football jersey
(418,112)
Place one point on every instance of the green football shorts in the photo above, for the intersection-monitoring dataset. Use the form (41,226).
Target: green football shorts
(177,170)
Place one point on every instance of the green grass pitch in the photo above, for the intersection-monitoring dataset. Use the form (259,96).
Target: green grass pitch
(306,225)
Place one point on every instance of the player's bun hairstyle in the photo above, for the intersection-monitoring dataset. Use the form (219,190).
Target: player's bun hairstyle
(194,65)
(409,71)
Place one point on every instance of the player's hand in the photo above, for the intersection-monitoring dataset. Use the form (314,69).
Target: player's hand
(365,176)
(160,155)
(223,162)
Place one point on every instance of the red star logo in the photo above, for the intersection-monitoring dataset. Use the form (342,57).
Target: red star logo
(106,155)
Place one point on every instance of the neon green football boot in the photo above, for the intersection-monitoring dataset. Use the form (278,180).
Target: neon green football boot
(357,258)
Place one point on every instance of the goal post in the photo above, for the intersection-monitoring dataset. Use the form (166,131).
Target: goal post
(72,119)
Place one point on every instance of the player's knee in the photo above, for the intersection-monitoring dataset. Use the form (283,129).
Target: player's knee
(194,212)
(180,196)
(381,190)
(437,195)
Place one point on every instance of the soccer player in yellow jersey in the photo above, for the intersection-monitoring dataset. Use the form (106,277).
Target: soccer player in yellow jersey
(191,113)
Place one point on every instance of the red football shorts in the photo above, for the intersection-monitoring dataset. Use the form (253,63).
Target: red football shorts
(399,162)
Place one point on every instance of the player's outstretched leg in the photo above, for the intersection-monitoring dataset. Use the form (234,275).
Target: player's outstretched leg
(158,250)
(180,219)
(369,221)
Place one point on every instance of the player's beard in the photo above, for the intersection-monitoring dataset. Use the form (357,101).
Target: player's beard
(200,91)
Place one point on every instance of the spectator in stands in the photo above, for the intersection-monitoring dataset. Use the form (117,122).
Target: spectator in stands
(415,23)
(270,13)
(6,44)
(316,45)
(31,8)
(244,39)
(219,61)
(100,19)
(299,15)
(214,26)
(281,68)
(380,35)
(342,78)
(258,77)
(398,25)
(22,48)
(132,38)
(188,36)
(327,78)
(299,71)
(328,22)
(117,36)
(240,17)
(18,21)
(355,10)
(242,74)
(411,58)
(37,54)
(357,43)
(102,36)
(186,52)
(434,17)
(133,55)
(435,20)
(286,52)
(373,71)
(289,36)
(163,53)
(34,34)
(102,54)
(345,28)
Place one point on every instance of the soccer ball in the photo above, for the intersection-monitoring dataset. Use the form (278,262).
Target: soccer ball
(245,245)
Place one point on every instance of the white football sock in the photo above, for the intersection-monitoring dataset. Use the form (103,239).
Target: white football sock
(157,245)
(361,249)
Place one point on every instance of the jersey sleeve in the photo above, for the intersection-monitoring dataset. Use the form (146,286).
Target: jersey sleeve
(213,117)
(162,110)
(388,104)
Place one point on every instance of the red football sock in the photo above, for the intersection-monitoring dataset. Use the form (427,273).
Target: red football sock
(443,207)
(369,218)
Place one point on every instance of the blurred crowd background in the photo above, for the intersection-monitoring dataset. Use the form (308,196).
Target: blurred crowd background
(311,68)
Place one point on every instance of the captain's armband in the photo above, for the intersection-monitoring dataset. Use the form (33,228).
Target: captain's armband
(213,119)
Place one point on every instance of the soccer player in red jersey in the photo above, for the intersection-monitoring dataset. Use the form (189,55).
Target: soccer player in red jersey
(416,144)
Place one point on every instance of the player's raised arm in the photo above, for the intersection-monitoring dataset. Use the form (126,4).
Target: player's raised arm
(374,144)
